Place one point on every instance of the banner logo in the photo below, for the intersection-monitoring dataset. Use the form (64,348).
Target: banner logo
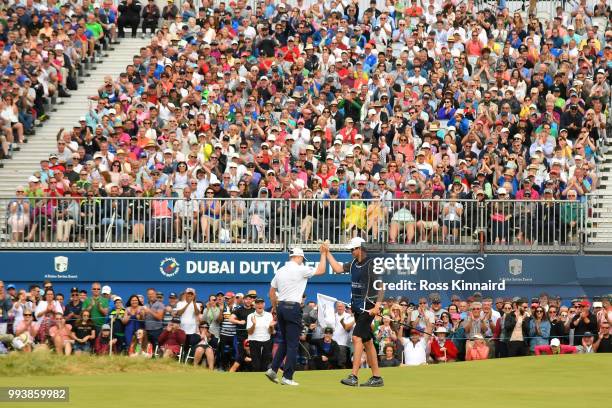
(169,267)
(61,264)
(515,266)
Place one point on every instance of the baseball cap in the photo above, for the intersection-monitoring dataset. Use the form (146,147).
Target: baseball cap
(555,342)
(252,293)
(106,290)
(587,334)
(354,243)
(175,320)
(105,327)
(297,251)
(73,290)
(190,290)
(329,330)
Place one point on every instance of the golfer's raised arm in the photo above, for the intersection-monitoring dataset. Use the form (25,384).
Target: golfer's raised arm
(322,268)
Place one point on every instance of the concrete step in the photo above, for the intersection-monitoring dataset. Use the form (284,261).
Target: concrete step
(600,240)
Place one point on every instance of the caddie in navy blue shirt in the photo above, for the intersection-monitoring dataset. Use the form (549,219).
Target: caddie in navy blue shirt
(365,302)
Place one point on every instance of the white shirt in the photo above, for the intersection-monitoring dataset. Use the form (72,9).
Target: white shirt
(188,318)
(290,281)
(262,325)
(428,316)
(415,354)
(42,306)
(341,336)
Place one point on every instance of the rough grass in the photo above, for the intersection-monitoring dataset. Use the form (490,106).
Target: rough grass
(530,382)
(49,364)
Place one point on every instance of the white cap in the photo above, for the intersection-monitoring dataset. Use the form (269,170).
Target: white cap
(372,112)
(578,157)
(505,130)
(106,290)
(82,118)
(358,136)
(441,330)
(33,179)
(355,191)
(411,182)
(569,27)
(297,251)
(234,189)
(213,179)
(555,342)
(316,139)
(597,304)
(502,190)
(167,151)
(425,146)
(356,242)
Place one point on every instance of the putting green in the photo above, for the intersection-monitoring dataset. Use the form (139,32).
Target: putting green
(547,381)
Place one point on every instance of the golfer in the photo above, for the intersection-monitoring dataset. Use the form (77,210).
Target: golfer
(286,292)
(365,302)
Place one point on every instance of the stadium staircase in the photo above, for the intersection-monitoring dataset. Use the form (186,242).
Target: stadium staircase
(599,217)
(65,115)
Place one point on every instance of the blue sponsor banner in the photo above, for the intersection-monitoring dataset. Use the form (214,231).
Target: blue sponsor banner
(409,275)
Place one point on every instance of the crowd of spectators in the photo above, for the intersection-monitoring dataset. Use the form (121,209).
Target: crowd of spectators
(44,47)
(238,332)
(412,100)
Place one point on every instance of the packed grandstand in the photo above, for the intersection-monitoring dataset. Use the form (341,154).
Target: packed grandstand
(257,124)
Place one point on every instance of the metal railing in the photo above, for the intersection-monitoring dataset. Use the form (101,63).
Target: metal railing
(173,223)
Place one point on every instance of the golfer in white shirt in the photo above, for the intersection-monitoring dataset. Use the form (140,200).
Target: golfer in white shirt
(286,292)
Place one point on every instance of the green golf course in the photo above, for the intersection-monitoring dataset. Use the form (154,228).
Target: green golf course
(546,381)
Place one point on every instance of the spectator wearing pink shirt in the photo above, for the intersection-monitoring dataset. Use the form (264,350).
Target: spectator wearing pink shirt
(555,347)
(61,335)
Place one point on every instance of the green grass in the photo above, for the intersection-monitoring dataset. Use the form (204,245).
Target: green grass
(545,381)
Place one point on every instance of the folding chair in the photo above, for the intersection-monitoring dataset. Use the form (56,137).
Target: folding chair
(189,356)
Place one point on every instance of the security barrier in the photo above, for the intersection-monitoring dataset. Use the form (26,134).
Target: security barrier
(425,224)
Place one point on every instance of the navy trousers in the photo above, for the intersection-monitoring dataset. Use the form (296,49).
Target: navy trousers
(289,317)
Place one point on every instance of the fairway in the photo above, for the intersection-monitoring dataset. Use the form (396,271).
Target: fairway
(524,382)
